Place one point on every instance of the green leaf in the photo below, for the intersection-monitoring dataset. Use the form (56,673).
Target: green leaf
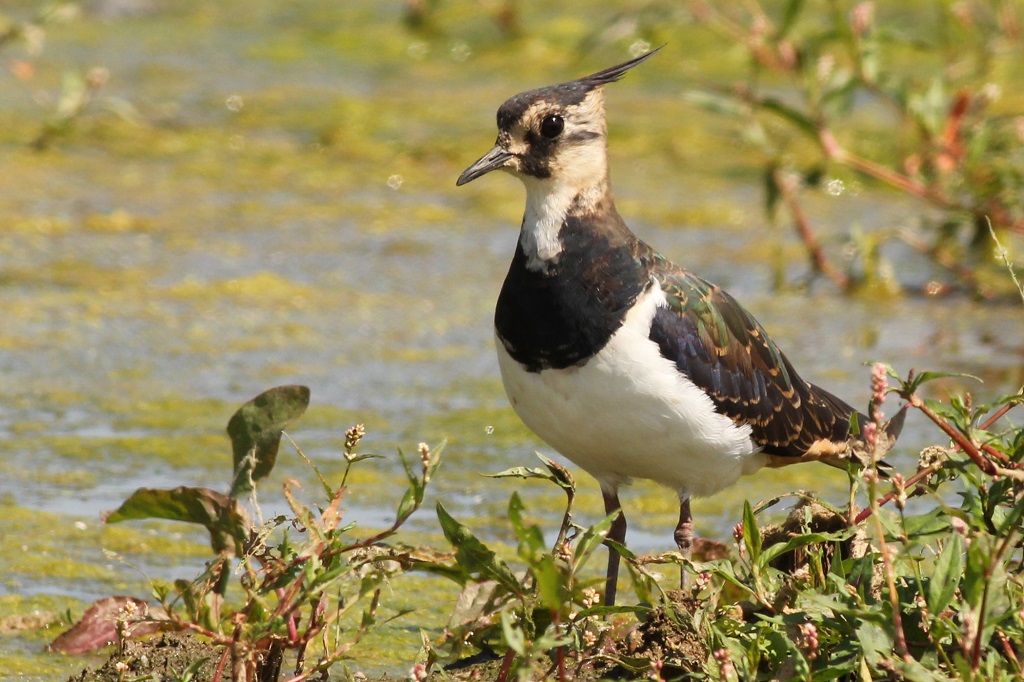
(876,643)
(531,538)
(638,610)
(591,539)
(946,574)
(751,535)
(408,504)
(473,555)
(932,522)
(912,384)
(555,473)
(413,496)
(512,634)
(221,515)
(255,432)
(777,550)
(799,119)
(772,192)
(793,8)
(550,582)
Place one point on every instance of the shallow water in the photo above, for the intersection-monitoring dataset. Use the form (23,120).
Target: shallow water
(281,209)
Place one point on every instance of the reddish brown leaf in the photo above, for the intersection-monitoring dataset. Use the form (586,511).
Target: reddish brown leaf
(98,626)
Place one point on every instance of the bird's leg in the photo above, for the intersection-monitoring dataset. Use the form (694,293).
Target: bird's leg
(617,533)
(684,536)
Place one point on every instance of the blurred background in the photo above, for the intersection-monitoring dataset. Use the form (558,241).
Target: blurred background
(199,201)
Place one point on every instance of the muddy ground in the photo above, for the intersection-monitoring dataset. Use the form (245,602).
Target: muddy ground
(174,656)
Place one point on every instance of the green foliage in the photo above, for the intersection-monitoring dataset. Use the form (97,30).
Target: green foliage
(932,590)
(933,594)
(221,515)
(547,610)
(255,432)
(932,81)
(299,574)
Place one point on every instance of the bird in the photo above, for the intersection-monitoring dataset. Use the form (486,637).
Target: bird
(630,366)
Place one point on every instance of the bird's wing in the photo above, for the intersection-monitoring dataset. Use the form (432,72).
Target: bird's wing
(722,349)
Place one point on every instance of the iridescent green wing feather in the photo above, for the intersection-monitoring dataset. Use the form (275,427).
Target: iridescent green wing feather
(722,349)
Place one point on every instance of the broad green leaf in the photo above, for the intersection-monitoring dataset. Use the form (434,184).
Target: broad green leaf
(220,514)
(550,580)
(924,377)
(623,551)
(875,641)
(1006,520)
(474,555)
(946,574)
(932,522)
(521,472)
(912,671)
(255,432)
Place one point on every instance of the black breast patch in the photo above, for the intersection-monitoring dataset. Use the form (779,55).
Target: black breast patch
(563,316)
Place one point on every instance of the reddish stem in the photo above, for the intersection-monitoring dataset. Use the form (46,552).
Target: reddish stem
(506,664)
(960,439)
(888,497)
(923,473)
(220,664)
(820,261)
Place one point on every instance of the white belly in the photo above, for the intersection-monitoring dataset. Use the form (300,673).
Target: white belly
(629,413)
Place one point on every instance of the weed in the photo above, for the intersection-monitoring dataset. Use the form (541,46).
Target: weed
(299,574)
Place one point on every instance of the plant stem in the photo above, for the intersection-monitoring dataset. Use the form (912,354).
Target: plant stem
(960,439)
(928,471)
(787,189)
(900,638)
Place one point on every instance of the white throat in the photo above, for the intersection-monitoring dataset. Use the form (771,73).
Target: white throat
(547,204)
(549,200)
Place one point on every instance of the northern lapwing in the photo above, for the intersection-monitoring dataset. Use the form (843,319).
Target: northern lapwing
(625,363)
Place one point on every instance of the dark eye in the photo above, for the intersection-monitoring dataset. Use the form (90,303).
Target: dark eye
(552,125)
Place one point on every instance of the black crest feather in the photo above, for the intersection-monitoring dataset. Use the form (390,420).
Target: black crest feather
(614,73)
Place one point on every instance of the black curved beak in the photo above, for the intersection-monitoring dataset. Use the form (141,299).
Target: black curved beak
(492,160)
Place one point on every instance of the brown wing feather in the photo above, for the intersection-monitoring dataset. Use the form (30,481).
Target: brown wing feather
(719,346)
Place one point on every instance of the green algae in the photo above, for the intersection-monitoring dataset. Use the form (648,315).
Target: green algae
(27,624)
(52,547)
(180,451)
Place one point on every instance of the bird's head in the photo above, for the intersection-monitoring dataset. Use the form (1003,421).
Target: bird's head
(556,132)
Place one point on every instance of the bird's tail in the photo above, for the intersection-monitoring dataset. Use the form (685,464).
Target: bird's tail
(891,431)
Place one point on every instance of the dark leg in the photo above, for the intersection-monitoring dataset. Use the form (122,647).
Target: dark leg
(617,533)
(684,536)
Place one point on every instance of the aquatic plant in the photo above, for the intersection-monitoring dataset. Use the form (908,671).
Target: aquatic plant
(299,574)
